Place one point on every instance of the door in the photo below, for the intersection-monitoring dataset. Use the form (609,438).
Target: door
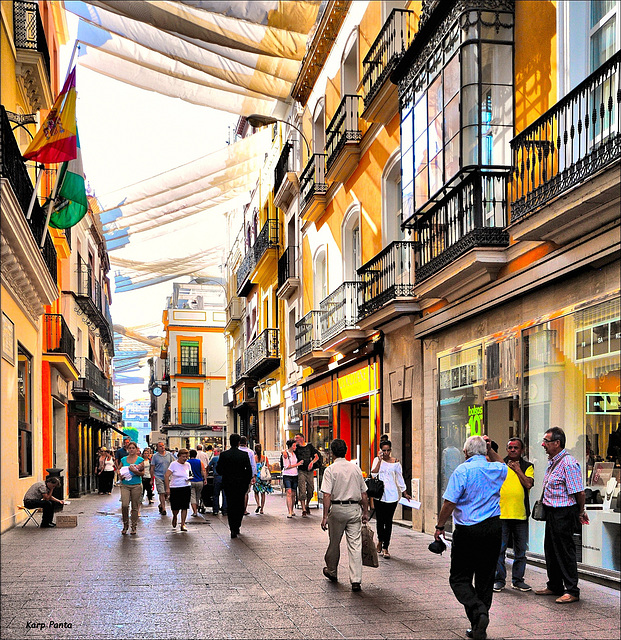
(405,409)
(360,442)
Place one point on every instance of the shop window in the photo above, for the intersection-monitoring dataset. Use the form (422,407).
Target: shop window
(320,431)
(24,412)
(571,380)
(460,408)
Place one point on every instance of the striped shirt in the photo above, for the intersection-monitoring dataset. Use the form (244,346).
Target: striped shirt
(563,481)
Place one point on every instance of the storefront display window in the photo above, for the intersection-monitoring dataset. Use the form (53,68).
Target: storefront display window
(320,431)
(571,380)
(460,407)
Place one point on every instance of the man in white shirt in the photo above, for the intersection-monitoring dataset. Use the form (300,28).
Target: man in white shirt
(202,456)
(243,446)
(345,508)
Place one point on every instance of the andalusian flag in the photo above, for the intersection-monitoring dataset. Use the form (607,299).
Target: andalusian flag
(56,140)
(71,204)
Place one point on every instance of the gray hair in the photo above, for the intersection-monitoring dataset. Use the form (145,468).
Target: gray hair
(475,446)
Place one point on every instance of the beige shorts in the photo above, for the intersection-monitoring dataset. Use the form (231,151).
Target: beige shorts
(159,485)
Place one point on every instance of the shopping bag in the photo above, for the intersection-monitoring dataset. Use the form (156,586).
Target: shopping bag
(369,551)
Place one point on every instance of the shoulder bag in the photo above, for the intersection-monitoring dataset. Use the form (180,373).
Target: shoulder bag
(375,488)
(265,475)
(539,510)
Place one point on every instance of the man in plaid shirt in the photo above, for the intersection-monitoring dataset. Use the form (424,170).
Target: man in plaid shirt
(563,498)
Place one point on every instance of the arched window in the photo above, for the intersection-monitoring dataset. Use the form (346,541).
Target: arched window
(320,280)
(351,247)
(391,200)
(319,128)
(349,66)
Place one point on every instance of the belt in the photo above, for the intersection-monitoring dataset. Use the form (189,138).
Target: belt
(345,501)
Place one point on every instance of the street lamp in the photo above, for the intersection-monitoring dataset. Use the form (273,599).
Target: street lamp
(256,120)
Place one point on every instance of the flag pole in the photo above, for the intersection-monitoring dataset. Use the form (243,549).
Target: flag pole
(76,46)
(34,193)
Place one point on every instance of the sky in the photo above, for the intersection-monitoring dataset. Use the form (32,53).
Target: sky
(127,135)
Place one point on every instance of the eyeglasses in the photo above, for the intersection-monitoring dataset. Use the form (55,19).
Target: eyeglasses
(548,441)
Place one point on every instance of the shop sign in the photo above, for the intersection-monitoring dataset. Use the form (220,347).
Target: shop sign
(269,396)
(354,384)
(475,420)
(602,403)
(294,415)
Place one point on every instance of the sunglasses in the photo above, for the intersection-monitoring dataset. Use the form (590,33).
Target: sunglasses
(548,441)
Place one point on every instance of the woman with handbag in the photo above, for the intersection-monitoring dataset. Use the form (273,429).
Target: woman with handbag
(105,471)
(388,470)
(263,484)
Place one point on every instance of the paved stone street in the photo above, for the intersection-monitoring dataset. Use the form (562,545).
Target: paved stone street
(161,583)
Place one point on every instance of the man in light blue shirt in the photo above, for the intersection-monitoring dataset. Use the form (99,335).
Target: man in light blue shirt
(473,497)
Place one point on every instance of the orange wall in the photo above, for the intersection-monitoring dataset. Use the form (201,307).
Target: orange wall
(46,417)
(535,61)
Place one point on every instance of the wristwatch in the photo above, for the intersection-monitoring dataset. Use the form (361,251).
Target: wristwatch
(439,528)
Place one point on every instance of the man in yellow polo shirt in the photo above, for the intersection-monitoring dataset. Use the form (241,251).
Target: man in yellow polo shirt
(514,513)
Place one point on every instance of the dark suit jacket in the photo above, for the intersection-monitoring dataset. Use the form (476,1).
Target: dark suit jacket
(235,469)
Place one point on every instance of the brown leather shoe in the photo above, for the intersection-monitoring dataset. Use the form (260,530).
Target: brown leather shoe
(566,598)
(545,592)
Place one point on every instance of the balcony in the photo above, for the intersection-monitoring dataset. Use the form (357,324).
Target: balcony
(34,270)
(339,318)
(93,303)
(32,55)
(59,345)
(92,380)
(343,137)
(381,99)
(313,188)
(565,181)
(189,417)
(288,280)
(308,350)
(190,369)
(233,314)
(461,241)
(386,297)
(286,183)
(267,243)
(239,368)
(262,355)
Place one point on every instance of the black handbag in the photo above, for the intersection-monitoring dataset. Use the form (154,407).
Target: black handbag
(375,488)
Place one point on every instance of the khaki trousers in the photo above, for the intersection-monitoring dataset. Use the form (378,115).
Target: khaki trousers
(133,493)
(347,519)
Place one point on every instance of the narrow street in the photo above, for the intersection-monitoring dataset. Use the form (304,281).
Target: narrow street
(92,582)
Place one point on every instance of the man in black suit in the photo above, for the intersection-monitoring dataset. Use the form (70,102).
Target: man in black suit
(234,467)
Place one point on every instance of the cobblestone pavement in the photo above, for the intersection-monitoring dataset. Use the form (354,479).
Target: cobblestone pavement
(92,582)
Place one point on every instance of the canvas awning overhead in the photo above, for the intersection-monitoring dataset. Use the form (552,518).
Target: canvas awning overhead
(240,57)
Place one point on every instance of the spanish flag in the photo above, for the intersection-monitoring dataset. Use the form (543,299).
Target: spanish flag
(56,140)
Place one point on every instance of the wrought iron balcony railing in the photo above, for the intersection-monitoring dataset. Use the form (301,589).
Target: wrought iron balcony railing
(267,239)
(58,338)
(344,127)
(569,143)
(313,179)
(194,417)
(339,311)
(12,168)
(261,350)
(286,265)
(389,275)
(239,368)
(28,30)
(92,379)
(391,43)
(183,367)
(282,166)
(472,215)
(308,334)
(92,300)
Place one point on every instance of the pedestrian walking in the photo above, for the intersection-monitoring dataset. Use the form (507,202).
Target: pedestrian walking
(290,465)
(389,471)
(563,500)
(345,508)
(514,512)
(217,484)
(201,455)
(261,487)
(177,485)
(243,446)
(105,472)
(39,496)
(131,470)
(197,481)
(147,478)
(473,497)
(160,461)
(309,456)
(236,471)
(120,453)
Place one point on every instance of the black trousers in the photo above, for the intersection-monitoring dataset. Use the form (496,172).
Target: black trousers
(560,549)
(235,507)
(106,481)
(48,508)
(474,554)
(148,488)
(384,512)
